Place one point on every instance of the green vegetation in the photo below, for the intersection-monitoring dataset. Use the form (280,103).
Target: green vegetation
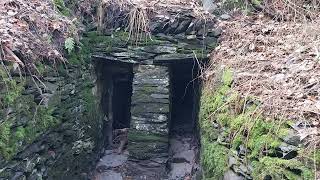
(241,121)
(22,120)
(60,5)
(214,159)
(280,169)
(69,44)
(38,120)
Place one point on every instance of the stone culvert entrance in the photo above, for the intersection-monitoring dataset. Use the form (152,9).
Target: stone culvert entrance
(158,104)
(150,96)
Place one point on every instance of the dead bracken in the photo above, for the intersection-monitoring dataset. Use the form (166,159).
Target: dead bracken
(276,64)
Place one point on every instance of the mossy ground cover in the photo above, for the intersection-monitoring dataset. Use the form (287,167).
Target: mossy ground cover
(228,121)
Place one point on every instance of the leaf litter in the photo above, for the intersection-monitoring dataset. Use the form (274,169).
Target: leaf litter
(278,64)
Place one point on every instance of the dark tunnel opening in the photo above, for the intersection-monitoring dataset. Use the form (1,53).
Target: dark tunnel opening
(115,86)
(185,96)
(121,100)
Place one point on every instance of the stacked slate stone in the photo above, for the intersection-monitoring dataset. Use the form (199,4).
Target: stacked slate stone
(59,136)
(176,37)
(148,136)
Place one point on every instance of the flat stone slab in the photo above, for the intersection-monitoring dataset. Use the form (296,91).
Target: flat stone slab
(174,57)
(158,118)
(109,175)
(183,162)
(188,155)
(112,159)
(179,171)
(141,108)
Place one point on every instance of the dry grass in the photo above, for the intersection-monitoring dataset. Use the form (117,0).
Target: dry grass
(280,58)
(26,31)
(292,9)
(138,27)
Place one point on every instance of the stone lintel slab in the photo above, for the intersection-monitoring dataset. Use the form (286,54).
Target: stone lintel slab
(107,58)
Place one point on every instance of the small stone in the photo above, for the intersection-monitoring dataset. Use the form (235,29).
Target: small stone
(170,57)
(15,71)
(292,138)
(183,26)
(209,6)
(160,49)
(133,54)
(50,87)
(232,161)
(180,36)
(190,29)
(288,151)
(9,111)
(215,32)
(53,79)
(112,160)
(201,32)
(312,81)
(19,176)
(230,175)
(287,148)
(278,78)
(225,17)
(160,96)
(172,27)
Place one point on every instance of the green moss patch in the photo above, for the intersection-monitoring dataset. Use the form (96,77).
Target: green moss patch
(27,123)
(277,168)
(214,159)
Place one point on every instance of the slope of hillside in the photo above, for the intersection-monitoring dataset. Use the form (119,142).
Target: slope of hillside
(275,76)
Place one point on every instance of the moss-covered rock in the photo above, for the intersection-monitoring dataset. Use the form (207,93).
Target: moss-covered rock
(50,127)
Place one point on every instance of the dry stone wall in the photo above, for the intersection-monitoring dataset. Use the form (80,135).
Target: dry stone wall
(149,133)
(51,126)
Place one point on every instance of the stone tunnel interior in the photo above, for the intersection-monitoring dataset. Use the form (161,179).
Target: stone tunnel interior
(115,86)
(184,97)
(116,78)
(118,84)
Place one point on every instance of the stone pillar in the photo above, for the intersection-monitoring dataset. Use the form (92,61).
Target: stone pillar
(149,133)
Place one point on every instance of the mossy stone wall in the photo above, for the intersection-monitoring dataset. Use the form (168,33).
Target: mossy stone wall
(50,122)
